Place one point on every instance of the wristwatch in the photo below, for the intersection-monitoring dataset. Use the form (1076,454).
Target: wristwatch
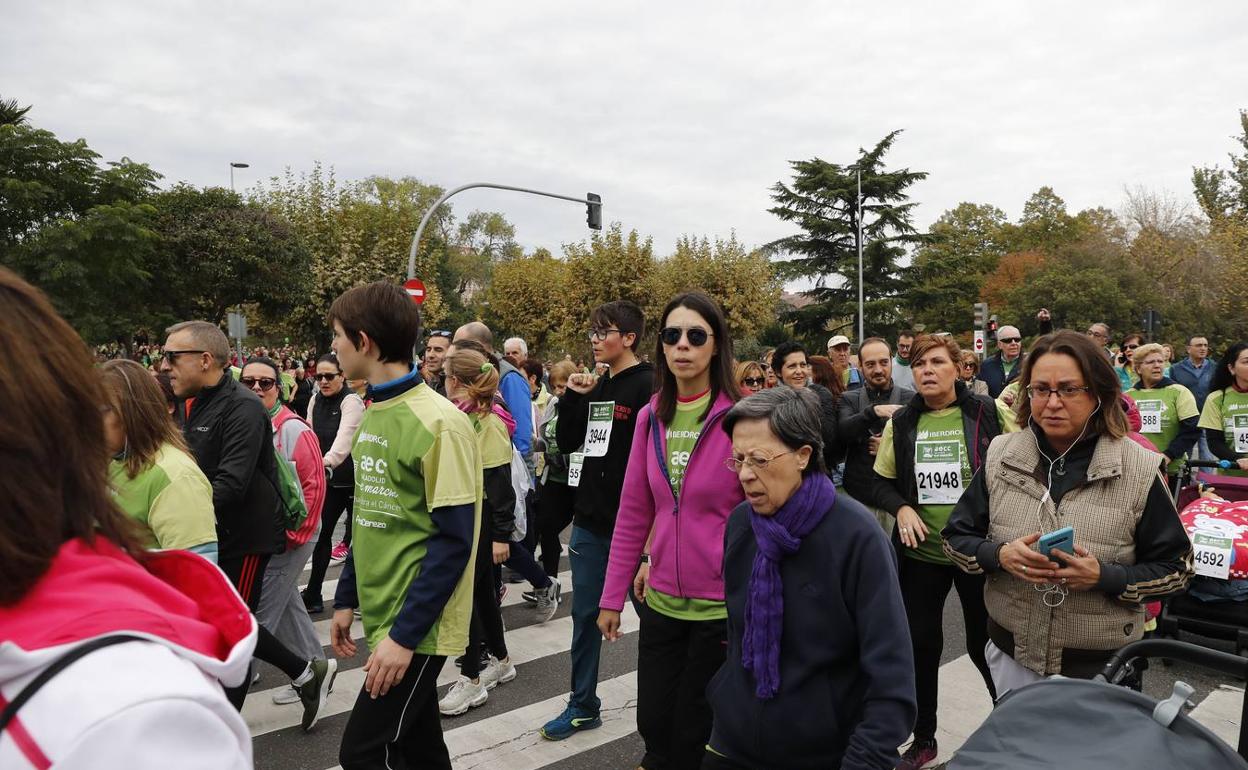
(645,558)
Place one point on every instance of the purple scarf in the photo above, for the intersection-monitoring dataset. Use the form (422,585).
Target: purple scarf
(778,537)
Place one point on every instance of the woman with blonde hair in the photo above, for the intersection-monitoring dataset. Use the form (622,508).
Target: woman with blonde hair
(750,378)
(471,384)
(153,476)
(968,372)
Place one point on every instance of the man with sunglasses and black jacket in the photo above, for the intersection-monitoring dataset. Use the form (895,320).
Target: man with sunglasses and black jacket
(229,434)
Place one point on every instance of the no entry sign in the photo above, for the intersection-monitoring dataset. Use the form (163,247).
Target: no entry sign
(979,341)
(415,289)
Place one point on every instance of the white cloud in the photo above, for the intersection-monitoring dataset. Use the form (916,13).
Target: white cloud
(680,116)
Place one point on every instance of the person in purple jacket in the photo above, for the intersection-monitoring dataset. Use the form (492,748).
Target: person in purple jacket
(677,487)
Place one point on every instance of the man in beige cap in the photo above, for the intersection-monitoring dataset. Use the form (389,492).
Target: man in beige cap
(838,351)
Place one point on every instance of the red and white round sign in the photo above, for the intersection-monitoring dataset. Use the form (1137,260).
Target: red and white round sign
(415,289)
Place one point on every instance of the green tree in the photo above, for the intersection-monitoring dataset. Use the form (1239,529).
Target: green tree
(948,273)
(822,201)
(218,252)
(529,297)
(743,282)
(11,113)
(1223,193)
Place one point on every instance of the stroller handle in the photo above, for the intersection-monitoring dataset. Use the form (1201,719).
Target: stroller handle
(1223,662)
(1223,464)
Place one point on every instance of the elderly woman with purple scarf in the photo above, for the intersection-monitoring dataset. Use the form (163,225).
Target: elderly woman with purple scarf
(819,672)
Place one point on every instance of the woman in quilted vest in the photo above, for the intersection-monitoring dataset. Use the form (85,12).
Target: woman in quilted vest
(1073,465)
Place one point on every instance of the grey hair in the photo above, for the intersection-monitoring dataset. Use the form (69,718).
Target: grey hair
(524,346)
(207,337)
(792,415)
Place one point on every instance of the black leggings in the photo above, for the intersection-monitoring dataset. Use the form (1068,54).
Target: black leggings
(247,574)
(337,500)
(486,627)
(554,514)
(924,587)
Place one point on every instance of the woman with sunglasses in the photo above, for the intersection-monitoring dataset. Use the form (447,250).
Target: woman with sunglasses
(968,372)
(768,371)
(153,476)
(1123,365)
(281,607)
(674,506)
(750,378)
(335,412)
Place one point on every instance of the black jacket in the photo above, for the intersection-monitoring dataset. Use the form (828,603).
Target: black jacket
(303,394)
(598,496)
(979,427)
(993,373)
(833,448)
(230,435)
(846,697)
(856,422)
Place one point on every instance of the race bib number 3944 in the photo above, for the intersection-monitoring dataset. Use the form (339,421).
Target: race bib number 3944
(938,471)
(598,432)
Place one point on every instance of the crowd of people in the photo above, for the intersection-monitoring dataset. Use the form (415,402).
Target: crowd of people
(787,529)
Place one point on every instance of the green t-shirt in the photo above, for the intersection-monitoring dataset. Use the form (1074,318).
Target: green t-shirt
(682,435)
(171,498)
(942,469)
(412,453)
(1161,411)
(493,439)
(556,473)
(681,608)
(1227,410)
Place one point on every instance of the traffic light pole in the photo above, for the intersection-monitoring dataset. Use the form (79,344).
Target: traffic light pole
(592,202)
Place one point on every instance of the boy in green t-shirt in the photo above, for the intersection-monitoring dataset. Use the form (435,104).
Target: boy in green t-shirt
(414,528)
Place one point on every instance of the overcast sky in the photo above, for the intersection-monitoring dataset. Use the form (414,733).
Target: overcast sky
(681,115)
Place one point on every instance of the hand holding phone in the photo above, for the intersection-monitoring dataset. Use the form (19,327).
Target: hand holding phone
(1062,539)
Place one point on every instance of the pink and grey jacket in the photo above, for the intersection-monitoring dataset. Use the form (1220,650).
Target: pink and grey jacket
(687,553)
(297,442)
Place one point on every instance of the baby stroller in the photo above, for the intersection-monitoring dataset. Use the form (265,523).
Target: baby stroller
(1074,724)
(1210,612)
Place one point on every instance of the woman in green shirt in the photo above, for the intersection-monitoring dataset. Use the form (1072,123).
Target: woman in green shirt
(928,453)
(155,480)
(1225,416)
(1168,412)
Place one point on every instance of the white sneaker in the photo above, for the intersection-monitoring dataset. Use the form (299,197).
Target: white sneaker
(497,672)
(547,601)
(462,696)
(286,695)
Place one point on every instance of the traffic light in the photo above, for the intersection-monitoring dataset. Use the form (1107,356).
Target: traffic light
(981,314)
(593,211)
(1152,323)
(992,324)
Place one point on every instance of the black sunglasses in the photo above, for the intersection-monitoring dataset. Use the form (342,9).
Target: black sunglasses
(696,335)
(324,377)
(266,383)
(440,333)
(1009,340)
(754,382)
(172,355)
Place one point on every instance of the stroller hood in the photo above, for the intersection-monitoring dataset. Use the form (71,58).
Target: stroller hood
(1075,724)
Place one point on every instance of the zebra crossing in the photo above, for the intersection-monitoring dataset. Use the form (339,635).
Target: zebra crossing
(503,733)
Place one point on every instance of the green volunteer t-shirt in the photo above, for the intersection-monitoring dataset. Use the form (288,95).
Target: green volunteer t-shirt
(942,467)
(1227,410)
(171,498)
(412,453)
(1161,411)
(493,439)
(682,436)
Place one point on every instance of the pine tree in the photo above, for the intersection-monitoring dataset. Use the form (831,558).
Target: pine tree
(823,201)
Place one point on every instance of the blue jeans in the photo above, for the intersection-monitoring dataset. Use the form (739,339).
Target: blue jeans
(588,554)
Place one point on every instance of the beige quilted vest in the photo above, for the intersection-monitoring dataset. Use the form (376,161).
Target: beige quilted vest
(1104,512)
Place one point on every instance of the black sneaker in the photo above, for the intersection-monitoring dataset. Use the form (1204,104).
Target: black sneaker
(313,604)
(314,691)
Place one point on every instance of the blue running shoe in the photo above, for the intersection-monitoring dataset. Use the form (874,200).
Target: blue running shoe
(572,720)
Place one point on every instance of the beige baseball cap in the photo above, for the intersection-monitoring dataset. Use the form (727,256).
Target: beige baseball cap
(838,340)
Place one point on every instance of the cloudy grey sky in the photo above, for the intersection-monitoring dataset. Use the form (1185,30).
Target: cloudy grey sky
(680,115)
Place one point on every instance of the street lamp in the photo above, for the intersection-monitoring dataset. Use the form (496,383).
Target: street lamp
(234,165)
(593,209)
(858,241)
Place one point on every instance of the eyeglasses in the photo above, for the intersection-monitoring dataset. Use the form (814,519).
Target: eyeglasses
(696,335)
(172,355)
(1064,392)
(598,335)
(1009,340)
(266,383)
(968,366)
(1093,333)
(325,376)
(1129,347)
(440,333)
(755,462)
(754,382)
